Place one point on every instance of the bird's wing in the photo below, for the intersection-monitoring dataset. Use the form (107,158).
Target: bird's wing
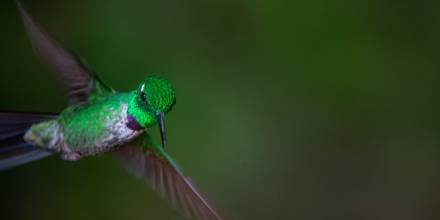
(152,164)
(14,150)
(81,84)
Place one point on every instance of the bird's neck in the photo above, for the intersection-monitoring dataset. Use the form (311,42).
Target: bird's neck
(138,117)
(133,124)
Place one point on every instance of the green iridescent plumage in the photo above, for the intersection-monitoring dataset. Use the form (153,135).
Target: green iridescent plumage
(85,124)
(154,95)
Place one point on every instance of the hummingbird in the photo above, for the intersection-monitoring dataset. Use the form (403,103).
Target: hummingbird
(100,120)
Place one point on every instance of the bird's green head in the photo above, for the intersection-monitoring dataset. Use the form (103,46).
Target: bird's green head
(153,98)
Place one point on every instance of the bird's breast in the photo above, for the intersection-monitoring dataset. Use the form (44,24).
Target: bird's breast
(114,133)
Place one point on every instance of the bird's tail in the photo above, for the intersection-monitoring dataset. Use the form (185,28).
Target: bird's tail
(14,151)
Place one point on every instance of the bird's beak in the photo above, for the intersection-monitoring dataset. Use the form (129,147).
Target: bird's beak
(163,134)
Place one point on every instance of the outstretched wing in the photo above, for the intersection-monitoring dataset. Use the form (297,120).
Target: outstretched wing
(156,167)
(14,150)
(80,83)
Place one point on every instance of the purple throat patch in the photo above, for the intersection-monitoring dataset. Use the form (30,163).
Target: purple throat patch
(133,124)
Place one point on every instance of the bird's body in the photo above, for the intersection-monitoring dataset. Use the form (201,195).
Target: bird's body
(98,120)
(96,127)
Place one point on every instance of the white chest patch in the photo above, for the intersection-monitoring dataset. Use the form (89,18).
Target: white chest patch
(116,134)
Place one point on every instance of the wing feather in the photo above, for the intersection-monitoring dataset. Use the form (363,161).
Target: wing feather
(156,168)
(14,151)
(80,83)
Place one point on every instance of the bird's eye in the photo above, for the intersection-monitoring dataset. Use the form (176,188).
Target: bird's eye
(143,97)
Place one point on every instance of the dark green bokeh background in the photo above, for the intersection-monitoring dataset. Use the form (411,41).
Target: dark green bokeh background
(285,109)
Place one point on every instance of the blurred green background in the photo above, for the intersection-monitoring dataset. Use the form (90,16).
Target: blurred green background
(285,109)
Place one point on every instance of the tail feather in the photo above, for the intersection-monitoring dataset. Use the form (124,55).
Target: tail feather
(23,118)
(7,133)
(14,151)
(23,158)
(13,148)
